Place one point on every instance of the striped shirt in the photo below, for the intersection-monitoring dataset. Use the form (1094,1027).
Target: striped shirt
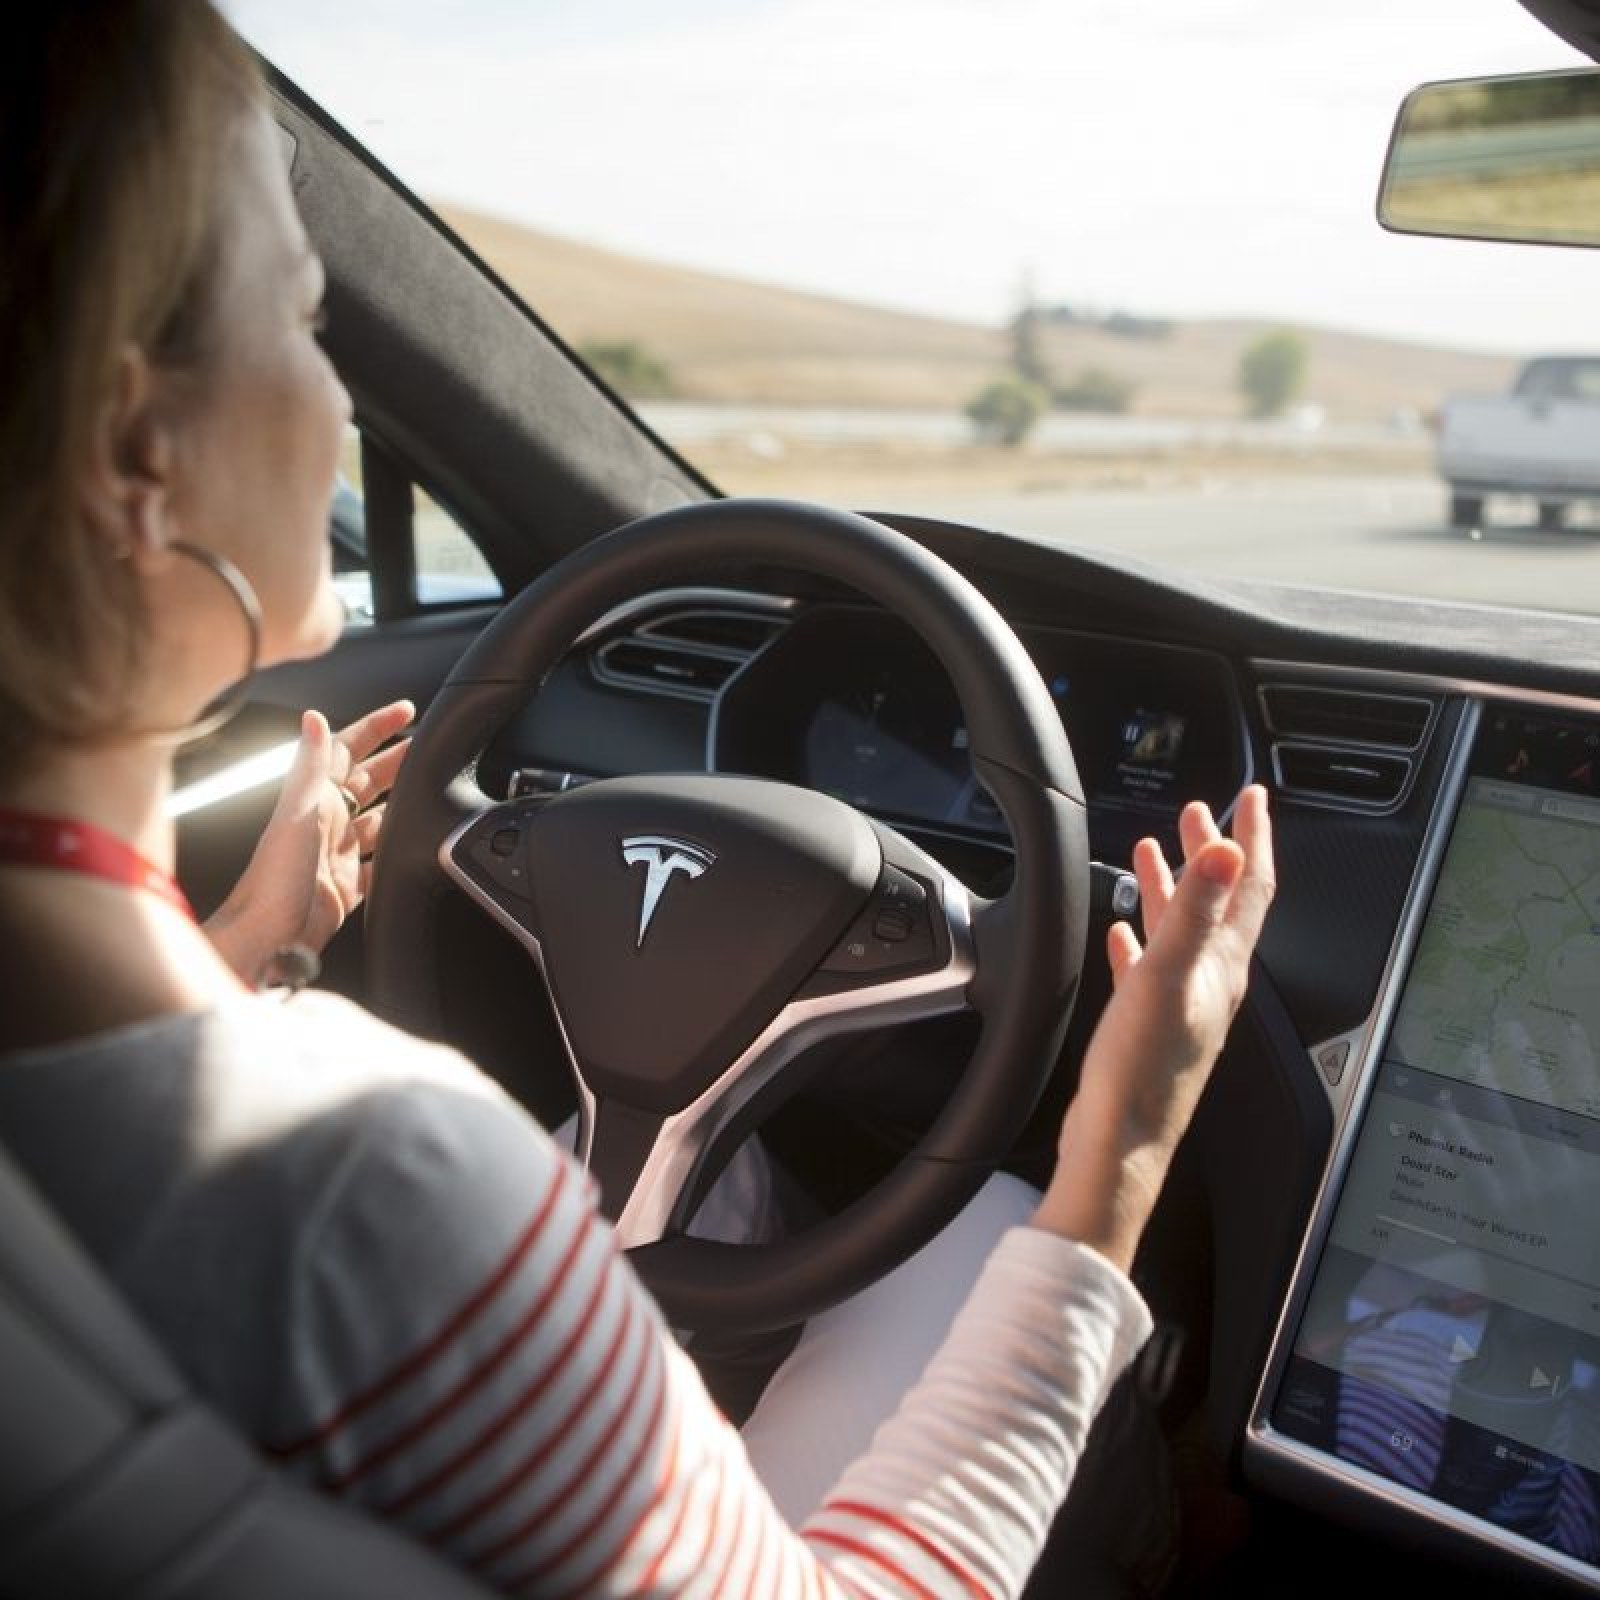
(361,1250)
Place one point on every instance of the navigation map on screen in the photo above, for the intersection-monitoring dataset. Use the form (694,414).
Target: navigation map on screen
(1505,987)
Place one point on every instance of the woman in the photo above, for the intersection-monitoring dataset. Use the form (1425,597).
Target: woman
(352,1242)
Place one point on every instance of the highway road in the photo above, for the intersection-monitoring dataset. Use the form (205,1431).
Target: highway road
(1368,532)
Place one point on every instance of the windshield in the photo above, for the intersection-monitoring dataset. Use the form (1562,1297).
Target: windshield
(1100,274)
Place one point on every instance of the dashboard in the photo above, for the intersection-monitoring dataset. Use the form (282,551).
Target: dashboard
(851,702)
(1398,1305)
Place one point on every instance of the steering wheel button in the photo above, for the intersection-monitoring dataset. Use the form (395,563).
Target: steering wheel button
(883,940)
(494,857)
(861,952)
(897,888)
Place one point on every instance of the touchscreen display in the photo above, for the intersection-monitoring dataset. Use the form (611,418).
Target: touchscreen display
(899,748)
(1147,758)
(1451,1340)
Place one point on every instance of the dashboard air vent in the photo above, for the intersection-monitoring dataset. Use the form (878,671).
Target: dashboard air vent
(1390,721)
(1351,748)
(688,654)
(742,631)
(1361,777)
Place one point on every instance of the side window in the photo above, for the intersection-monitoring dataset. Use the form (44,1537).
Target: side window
(396,550)
(450,567)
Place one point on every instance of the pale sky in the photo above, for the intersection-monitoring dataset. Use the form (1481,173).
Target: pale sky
(1168,157)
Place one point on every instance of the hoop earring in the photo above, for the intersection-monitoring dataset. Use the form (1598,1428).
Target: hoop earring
(227,705)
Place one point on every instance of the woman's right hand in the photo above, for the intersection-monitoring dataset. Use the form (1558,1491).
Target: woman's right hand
(1155,1044)
(312,864)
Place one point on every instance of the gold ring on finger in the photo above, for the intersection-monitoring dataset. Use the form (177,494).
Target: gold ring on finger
(351,804)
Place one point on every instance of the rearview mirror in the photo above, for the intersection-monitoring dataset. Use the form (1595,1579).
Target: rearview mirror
(1498,158)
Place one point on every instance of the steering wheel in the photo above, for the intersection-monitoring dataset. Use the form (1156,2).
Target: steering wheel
(698,932)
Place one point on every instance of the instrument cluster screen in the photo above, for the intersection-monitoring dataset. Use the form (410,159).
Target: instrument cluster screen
(854,704)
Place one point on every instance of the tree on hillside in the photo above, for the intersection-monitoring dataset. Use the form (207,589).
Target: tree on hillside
(1005,411)
(628,367)
(1271,371)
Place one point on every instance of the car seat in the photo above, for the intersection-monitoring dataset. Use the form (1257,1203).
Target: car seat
(116,1480)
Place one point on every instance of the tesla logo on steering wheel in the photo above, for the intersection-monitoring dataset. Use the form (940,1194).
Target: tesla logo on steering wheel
(661,857)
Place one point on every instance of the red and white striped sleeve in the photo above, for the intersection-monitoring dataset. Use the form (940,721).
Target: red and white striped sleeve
(472,1357)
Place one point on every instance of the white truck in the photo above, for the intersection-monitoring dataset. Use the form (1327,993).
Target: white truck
(1541,441)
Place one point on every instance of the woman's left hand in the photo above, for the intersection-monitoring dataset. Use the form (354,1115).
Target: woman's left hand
(1172,1003)
(311,867)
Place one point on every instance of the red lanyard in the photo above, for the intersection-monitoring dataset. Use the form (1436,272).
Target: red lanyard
(28,840)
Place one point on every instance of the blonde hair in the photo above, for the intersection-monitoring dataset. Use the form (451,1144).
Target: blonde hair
(116,117)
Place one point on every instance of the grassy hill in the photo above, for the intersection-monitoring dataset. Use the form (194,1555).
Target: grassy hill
(728,339)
